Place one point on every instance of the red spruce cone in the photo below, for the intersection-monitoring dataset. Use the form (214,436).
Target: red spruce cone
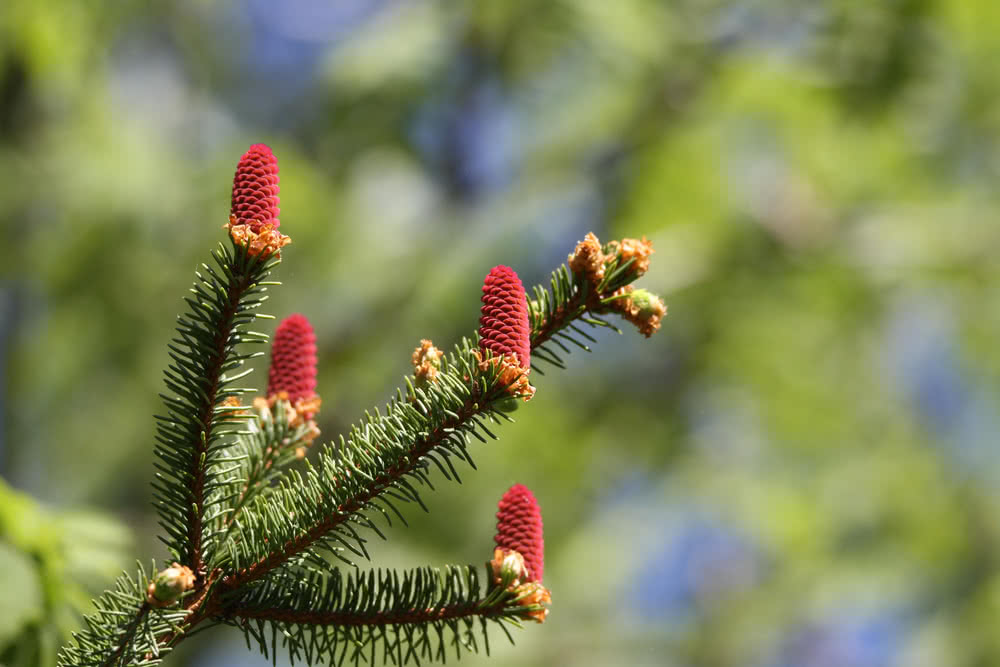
(503,327)
(255,189)
(519,527)
(293,359)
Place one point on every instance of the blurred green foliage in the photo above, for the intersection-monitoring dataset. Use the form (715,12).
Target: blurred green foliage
(53,563)
(799,469)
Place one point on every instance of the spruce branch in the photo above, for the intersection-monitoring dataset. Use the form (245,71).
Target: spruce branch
(417,615)
(194,433)
(595,281)
(253,539)
(259,455)
(124,629)
(387,456)
(281,426)
(192,437)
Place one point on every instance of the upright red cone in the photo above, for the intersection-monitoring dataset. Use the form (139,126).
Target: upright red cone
(504,327)
(293,359)
(519,527)
(255,189)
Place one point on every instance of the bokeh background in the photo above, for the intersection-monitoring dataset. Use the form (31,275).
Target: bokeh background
(799,470)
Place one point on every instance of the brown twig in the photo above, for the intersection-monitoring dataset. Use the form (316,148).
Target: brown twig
(413,616)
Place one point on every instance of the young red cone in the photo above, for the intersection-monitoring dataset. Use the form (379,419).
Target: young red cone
(504,327)
(253,216)
(519,528)
(255,189)
(293,359)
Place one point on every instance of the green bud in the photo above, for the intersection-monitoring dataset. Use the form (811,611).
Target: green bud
(168,585)
(648,303)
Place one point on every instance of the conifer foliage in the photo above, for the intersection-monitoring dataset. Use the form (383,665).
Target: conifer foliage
(270,548)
